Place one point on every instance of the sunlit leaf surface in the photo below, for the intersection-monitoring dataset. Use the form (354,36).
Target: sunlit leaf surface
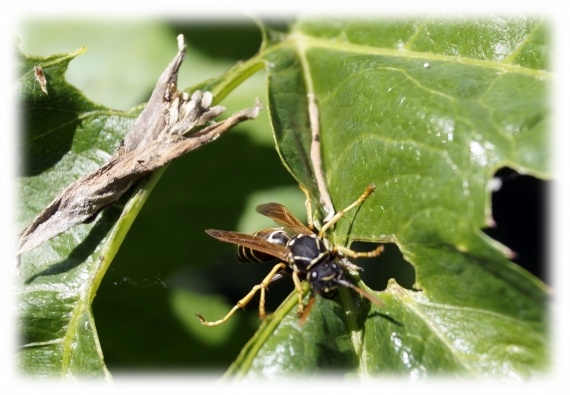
(427,110)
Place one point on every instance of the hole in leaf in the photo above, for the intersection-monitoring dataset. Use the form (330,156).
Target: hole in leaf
(519,206)
(390,264)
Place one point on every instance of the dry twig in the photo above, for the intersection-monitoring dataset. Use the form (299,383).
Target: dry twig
(159,135)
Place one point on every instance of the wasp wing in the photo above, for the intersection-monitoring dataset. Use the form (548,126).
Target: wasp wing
(250,241)
(283,216)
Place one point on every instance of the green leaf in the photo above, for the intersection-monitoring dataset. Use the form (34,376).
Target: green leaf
(428,110)
(65,136)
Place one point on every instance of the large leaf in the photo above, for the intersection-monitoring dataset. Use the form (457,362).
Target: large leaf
(427,110)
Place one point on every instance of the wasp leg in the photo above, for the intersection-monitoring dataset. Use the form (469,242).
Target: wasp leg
(369,189)
(264,284)
(299,289)
(354,254)
(245,300)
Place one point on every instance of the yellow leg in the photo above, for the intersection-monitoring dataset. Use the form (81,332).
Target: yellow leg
(299,289)
(369,189)
(244,301)
(354,254)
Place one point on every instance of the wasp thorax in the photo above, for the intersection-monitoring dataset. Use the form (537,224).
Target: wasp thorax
(306,251)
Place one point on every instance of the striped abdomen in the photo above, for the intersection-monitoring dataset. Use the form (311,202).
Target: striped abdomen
(272,235)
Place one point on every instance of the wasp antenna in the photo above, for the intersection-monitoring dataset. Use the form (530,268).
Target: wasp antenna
(362,292)
(307,310)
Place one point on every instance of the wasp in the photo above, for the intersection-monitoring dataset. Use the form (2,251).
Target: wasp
(306,255)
